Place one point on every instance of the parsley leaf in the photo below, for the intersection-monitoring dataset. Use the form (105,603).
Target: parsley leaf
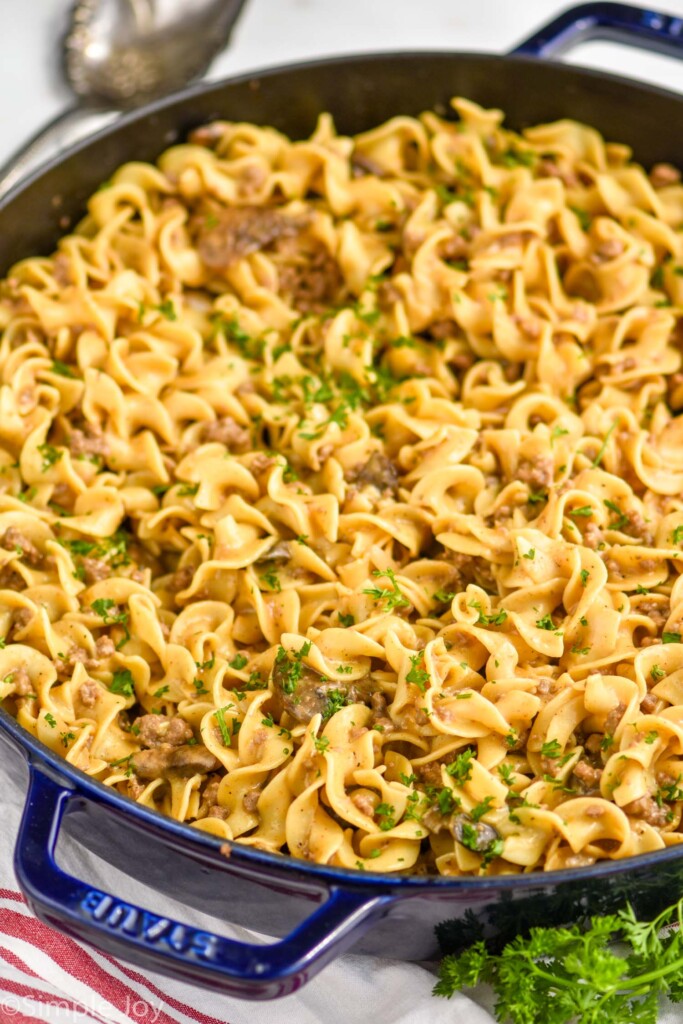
(418,675)
(393,597)
(577,974)
(122,682)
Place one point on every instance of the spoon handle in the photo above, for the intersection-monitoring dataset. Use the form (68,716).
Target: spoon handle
(64,129)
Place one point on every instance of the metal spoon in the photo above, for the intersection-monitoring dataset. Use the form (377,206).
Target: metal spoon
(119,54)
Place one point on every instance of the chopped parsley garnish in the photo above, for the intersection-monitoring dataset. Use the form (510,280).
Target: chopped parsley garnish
(271,578)
(481,808)
(622,519)
(603,447)
(122,682)
(584,510)
(238,662)
(290,669)
(386,814)
(51,720)
(223,726)
(545,623)
(497,619)
(551,749)
(461,768)
(417,675)
(346,620)
(50,456)
(393,597)
(321,743)
(61,369)
(336,700)
(167,309)
(103,607)
(671,638)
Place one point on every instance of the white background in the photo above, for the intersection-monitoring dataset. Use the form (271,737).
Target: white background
(277,31)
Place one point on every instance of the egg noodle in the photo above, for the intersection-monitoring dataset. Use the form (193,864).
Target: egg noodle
(340,493)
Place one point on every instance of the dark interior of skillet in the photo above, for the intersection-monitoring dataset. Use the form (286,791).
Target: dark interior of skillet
(360,92)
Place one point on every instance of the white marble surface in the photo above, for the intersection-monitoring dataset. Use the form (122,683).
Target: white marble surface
(276,31)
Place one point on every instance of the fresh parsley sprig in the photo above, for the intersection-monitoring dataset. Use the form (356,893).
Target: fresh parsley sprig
(577,975)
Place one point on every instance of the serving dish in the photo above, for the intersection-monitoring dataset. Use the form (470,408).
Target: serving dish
(272,893)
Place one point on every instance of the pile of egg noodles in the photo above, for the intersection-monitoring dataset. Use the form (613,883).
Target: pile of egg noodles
(340,493)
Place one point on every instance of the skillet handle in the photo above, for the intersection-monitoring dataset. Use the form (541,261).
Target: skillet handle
(162,944)
(622,23)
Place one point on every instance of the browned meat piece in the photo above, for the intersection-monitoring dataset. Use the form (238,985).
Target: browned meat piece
(206,135)
(311,281)
(434,820)
(588,776)
(469,569)
(378,703)
(647,809)
(209,795)
(279,552)
(537,472)
(430,773)
(638,527)
(22,617)
(157,730)
(216,811)
(518,740)
(23,687)
(75,655)
(364,802)
(227,431)
(104,648)
(250,799)
(362,165)
(592,536)
(378,472)
(181,579)
(454,248)
(89,441)
(484,834)
(88,693)
(461,360)
(530,328)
(648,703)
(239,230)
(134,788)
(613,719)
(309,694)
(388,294)
(548,168)
(662,175)
(261,462)
(15,540)
(94,569)
(656,611)
(165,761)
(607,250)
